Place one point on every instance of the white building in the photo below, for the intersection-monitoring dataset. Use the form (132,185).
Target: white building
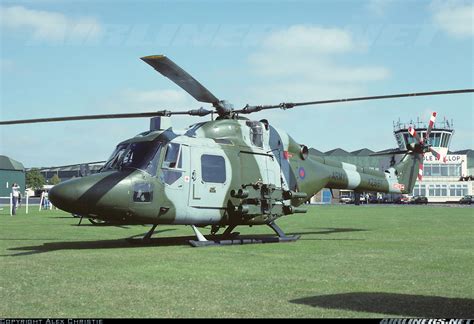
(441,178)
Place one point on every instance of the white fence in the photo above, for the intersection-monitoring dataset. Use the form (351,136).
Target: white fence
(10,205)
(44,202)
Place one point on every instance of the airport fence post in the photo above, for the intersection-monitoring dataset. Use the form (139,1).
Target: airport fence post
(41,201)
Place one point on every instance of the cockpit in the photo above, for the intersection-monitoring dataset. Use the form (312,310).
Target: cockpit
(135,155)
(145,156)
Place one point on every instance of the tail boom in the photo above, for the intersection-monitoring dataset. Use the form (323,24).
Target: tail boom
(331,174)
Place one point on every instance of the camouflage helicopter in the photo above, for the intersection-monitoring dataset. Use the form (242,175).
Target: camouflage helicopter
(223,173)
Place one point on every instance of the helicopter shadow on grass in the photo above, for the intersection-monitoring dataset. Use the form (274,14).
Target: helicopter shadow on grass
(329,230)
(136,241)
(394,304)
(83,224)
(131,242)
(60,217)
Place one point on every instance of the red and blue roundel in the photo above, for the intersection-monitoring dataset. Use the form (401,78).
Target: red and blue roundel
(301,172)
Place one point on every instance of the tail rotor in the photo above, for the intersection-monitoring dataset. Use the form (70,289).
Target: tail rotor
(423,145)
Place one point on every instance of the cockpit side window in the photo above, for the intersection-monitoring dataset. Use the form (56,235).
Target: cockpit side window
(135,155)
(115,158)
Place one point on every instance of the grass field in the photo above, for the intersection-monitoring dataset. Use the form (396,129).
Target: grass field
(366,261)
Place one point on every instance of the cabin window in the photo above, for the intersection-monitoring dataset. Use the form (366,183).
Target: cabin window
(213,168)
(172,161)
(153,163)
(172,158)
(256,133)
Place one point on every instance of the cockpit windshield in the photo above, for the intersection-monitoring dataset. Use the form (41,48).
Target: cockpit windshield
(136,155)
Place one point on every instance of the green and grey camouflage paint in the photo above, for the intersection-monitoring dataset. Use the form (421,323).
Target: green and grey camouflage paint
(267,175)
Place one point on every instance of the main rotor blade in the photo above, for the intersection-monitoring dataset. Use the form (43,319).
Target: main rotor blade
(182,78)
(250,109)
(71,118)
(195,112)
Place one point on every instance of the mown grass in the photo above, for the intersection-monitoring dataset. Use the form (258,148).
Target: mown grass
(366,261)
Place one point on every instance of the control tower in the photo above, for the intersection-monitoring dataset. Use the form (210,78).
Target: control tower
(441,178)
(440,136)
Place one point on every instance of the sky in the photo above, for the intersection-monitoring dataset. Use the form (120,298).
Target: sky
(66,58)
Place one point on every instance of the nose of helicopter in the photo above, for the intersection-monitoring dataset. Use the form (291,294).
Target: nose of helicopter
(90,194)
(64,194)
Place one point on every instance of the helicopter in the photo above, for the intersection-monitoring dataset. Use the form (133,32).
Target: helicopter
(225,172)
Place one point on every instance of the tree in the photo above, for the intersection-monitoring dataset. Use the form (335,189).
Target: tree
(54,180)
(34,179)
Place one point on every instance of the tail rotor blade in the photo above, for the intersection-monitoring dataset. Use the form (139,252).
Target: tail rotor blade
(430,126)
(414,134)
(437,155)
(420,170)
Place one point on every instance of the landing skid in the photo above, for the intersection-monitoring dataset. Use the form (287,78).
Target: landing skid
(228,238)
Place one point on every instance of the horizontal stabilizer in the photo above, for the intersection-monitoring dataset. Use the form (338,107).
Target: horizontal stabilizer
(389,152)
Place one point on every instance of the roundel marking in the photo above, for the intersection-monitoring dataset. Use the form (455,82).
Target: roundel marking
(302,172)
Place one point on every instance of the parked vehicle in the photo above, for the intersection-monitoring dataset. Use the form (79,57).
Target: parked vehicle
(374,199)
(467,200)
(346,199)
(419,200)
(402,199)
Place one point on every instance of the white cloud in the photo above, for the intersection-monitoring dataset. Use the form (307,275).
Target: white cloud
(306,61)
(134,100)
(6,65)
(454,17)
(310,38)
(155,97)
(309,63)
(48,25)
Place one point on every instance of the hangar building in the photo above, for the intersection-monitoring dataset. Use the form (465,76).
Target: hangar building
(69,171)
(11,171)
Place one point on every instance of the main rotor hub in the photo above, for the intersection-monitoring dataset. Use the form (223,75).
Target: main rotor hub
(224,108)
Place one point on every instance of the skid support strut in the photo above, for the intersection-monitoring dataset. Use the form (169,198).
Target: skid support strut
(228,238)
(148,235)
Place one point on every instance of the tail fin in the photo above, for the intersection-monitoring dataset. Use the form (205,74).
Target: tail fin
(407,171)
